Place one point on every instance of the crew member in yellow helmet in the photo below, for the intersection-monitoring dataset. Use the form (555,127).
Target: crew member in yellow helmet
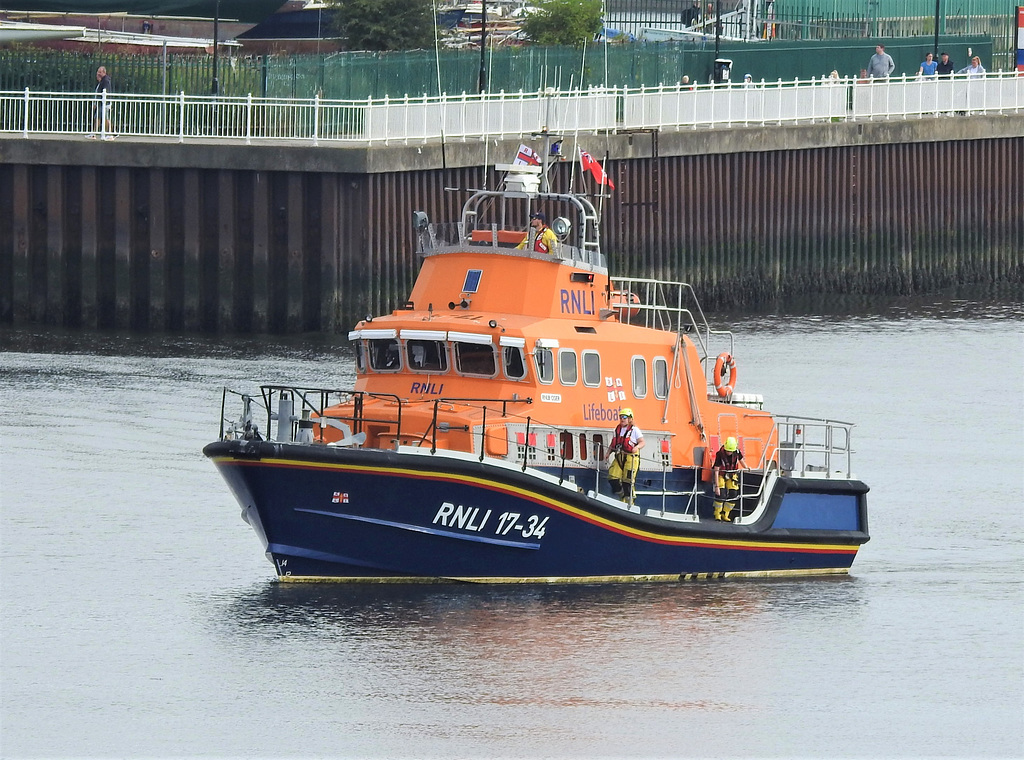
(624,454)
(725,474)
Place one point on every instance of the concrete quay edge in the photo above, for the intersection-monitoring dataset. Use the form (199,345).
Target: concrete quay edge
(276,155)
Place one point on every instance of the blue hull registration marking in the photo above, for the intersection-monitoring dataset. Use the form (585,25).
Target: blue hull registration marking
(298,551)
(422,529)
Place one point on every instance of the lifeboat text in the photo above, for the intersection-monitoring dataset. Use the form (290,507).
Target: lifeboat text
(577,301)
(593,412)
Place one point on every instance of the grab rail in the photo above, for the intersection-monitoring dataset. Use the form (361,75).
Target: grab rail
(804,445)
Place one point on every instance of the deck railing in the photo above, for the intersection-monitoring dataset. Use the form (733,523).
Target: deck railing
(503,115)
(800,445)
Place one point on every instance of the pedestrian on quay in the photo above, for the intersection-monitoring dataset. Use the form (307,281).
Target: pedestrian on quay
(881,64)
(101,110)
(928,66)
(975,70)
(945,66)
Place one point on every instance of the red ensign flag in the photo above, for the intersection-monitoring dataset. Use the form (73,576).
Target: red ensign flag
(591,165)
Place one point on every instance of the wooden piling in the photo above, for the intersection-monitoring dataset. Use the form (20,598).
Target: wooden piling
(286,250)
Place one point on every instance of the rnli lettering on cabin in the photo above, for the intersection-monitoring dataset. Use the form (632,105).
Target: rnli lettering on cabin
(427,389)
(577,301)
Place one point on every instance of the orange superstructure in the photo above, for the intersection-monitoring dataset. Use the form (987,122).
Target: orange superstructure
(551,337)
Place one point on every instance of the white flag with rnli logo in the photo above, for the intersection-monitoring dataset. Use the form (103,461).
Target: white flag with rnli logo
(526,156)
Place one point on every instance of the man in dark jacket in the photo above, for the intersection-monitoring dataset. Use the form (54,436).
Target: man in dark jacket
(945,67)
(101,110)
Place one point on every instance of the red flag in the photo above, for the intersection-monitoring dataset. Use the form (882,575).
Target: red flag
(590,164)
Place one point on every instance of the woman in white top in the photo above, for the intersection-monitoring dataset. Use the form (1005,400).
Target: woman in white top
(975,70)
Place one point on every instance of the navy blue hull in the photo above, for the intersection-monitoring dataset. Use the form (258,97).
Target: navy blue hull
(354,513)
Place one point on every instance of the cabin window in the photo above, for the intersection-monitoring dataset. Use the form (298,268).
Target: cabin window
(598,447)
(360,357)
(583,447)
(639,377)
(566,441)
(475,359)
(660,368)
(385,355)
(545,362)
(591,369)
(568,373)
(514,362)
(427,355)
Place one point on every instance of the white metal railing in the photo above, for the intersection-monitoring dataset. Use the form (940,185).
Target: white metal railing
(503,115)
(900,97)
(714,105)
(807,445)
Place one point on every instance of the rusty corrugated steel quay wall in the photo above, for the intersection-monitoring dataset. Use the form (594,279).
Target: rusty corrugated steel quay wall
(283,239)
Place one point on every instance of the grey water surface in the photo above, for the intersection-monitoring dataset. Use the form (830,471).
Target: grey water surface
(139,618)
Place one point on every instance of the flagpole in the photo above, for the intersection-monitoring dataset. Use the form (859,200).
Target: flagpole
(545,186)
(483,46)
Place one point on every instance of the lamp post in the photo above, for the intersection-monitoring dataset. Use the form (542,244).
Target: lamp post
(718,26)
(936,51)
(215,84)
(483,46)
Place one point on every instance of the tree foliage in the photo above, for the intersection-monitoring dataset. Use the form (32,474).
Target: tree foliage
(564,22)
(384,24)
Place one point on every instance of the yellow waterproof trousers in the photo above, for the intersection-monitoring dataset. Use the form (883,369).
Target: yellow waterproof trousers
(728,491)
(622,474)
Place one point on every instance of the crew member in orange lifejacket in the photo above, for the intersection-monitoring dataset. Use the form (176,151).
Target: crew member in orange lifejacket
(624,453)
(725,474)
(544,239)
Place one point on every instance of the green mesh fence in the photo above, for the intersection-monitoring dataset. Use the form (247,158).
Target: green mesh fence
(362,75)
(894,8)
(62,71)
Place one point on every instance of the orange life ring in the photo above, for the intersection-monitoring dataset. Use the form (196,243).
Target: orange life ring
(723,362)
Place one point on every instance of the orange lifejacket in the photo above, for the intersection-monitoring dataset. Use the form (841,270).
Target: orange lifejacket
(622,438)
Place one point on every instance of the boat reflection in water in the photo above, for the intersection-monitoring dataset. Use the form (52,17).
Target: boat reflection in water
(475,442)
(484,616)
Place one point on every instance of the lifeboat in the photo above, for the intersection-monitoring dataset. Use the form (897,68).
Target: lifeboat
(477,441)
